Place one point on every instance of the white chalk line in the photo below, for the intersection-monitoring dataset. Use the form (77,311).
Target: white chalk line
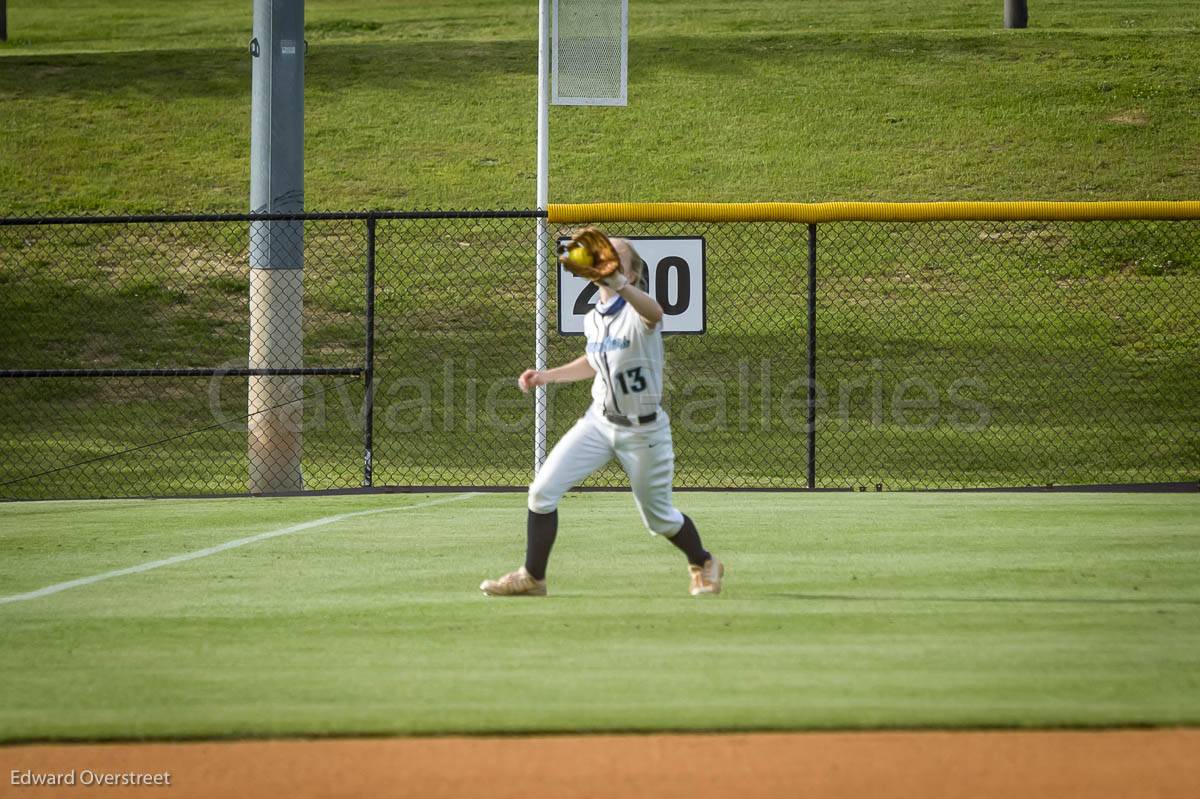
(228,545)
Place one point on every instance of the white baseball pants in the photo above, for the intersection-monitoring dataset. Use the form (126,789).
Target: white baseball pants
(645,454)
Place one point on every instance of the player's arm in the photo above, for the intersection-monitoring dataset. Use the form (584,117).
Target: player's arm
(578,369)
(646,306)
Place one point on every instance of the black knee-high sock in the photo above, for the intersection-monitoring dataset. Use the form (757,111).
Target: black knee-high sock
(688,541)
(540,531)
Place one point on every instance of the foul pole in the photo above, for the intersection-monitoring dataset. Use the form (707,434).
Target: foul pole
(583,49)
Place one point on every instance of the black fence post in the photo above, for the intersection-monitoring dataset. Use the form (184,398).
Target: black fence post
(1016,14)
(3,20)
(812,356)
(369,366)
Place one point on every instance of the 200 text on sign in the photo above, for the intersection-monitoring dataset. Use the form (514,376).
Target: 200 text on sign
(675,277)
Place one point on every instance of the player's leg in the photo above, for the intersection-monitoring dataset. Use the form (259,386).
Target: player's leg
(649,460)
(583,450)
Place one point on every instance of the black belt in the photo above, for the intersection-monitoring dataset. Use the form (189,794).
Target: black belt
(625,421)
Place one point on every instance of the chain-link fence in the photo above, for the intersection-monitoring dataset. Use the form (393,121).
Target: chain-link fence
(192,355)
(145,357)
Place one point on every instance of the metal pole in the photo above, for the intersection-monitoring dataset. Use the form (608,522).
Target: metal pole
(542,312)
(1016,14)
(276,247)
(3,20)
(369,373)
(812,356)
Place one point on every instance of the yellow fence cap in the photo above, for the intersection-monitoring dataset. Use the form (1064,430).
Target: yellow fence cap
(810,213)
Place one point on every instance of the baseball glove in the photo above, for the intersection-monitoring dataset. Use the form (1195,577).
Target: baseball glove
(590,255)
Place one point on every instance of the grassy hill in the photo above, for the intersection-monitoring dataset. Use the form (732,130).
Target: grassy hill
(1082,337)
(135,105)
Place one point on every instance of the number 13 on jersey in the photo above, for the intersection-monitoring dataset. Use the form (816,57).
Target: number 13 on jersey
(675,279)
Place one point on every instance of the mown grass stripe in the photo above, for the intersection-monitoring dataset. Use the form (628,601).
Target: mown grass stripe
(213,550)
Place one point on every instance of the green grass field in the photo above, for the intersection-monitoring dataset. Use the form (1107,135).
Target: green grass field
(841,610)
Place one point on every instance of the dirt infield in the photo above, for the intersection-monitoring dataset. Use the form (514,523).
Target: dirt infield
(1141,763)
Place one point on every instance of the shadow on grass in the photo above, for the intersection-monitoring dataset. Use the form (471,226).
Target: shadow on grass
(225,71)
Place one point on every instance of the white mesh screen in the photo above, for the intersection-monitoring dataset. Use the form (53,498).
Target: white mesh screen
(589,49)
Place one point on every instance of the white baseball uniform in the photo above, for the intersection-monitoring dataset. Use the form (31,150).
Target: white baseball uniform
(628,359)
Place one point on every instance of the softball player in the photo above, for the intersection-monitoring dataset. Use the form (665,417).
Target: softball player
(624,359)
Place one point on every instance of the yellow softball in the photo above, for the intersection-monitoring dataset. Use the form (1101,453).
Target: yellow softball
(580,257)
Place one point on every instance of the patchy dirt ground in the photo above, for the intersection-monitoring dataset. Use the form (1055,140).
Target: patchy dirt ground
(1126,763)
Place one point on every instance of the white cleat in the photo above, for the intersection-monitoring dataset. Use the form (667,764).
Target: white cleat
(518,583)
(706,579)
